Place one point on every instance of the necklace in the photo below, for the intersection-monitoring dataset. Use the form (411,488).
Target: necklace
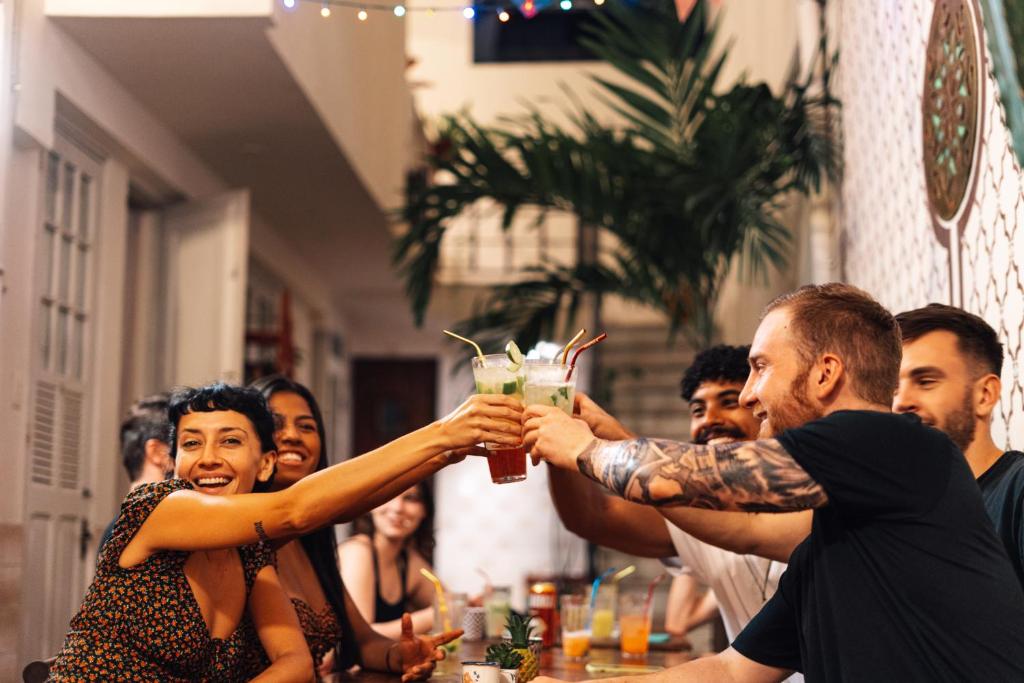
(755,574)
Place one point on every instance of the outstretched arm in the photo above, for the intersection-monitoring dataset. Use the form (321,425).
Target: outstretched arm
(190,520)
(725,667)
(749,476)
(772,536)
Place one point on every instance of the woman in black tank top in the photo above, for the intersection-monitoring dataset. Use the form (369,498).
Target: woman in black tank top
(393,542)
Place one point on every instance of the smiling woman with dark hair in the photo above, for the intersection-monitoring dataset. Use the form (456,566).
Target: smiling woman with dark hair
(337,634)
(188,562)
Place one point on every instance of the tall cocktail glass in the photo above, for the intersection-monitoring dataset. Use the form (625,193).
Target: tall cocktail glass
(493,376)
(546,384)
(634,625)
(575,618)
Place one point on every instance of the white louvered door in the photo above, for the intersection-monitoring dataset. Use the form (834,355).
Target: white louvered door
(58,492)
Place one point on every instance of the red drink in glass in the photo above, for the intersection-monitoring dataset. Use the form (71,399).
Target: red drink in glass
(507,464)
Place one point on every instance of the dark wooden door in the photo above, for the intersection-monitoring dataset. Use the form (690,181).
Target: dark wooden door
(391,397)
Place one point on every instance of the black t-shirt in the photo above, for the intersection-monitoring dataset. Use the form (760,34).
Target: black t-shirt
(1002,489)
(902,577)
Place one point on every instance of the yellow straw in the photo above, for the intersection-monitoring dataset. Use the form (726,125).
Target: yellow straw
(572,343)
(479,353)
(623,573)
(442,604)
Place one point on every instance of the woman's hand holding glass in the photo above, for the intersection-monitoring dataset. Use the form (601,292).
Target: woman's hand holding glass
(483,418)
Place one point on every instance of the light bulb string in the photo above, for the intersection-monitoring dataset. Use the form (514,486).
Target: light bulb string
(391,7)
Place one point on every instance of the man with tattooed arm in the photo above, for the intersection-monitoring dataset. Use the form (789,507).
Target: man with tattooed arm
(902,577)
(741,582)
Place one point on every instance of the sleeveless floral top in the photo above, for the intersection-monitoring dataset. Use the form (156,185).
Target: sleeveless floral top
(143,623)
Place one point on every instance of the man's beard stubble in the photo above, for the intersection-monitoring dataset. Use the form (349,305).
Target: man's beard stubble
(793,413)
(960,424)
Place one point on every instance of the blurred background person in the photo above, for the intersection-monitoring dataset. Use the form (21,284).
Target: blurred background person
(381,563)
(145,451)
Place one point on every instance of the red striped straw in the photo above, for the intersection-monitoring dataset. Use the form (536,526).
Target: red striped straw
(650,592)
(572,365)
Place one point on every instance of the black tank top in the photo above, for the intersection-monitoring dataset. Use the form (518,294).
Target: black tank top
(384,611)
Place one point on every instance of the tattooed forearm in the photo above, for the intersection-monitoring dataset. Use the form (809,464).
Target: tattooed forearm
(755,476)
(260,533)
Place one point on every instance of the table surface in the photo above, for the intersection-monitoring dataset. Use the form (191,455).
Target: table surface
(552,663)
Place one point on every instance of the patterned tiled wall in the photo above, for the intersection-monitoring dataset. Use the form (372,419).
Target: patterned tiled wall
(889,245)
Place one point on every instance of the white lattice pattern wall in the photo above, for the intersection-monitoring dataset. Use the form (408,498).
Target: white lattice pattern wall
(890,247)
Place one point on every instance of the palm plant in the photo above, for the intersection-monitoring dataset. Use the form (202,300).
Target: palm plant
(693,178)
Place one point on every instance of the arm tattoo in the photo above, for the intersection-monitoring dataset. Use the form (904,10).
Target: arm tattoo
(261,533)
(754,476)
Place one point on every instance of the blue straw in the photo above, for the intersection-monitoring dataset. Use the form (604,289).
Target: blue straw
(593,591)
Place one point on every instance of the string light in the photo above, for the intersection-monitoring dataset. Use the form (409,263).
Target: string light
(528,8)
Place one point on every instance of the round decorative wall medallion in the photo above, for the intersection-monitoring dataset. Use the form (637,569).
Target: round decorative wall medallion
(954,83)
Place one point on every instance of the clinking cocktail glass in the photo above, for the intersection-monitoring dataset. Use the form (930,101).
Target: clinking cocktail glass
(498,374)
(546,385)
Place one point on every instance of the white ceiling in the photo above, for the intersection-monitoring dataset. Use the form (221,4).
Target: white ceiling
(222,88)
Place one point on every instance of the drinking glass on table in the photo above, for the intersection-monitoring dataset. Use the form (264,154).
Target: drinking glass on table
(494,375)
(575,616)
(497,605)
(634,625)
(455,603)
(603,619)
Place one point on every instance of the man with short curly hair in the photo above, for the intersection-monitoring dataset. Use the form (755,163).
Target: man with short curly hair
(711,387)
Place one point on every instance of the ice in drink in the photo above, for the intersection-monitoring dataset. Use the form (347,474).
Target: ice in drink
(575,618)
(546,385)
(634,625)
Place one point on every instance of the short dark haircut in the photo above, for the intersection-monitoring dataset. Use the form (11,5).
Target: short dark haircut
(220,396)
(975,338)
(845,320)
(147,419)
(720,363)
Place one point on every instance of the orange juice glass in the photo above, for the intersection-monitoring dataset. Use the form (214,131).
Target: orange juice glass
(634,625)
(575,617)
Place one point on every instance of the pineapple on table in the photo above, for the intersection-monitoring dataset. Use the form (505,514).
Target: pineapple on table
(508,659)
(519,630)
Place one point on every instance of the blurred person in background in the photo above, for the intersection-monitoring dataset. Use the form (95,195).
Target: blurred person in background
(145,451)
(381,562)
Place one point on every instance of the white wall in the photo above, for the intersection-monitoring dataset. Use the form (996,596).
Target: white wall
(891,248)
(352,72)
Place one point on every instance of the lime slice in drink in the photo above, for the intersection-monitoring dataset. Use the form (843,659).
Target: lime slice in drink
(509,388)
(515,357)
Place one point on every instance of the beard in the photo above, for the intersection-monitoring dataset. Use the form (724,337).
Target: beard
(717,431)
(960,423)
(796,410)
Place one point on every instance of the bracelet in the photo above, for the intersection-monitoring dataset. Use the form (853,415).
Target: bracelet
(387,659)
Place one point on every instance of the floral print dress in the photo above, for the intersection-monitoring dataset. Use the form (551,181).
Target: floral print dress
(143,623)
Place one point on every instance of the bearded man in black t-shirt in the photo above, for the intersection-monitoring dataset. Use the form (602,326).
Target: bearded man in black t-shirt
(902,577)
(949,377)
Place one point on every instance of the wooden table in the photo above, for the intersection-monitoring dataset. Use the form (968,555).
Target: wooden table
(552,663)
